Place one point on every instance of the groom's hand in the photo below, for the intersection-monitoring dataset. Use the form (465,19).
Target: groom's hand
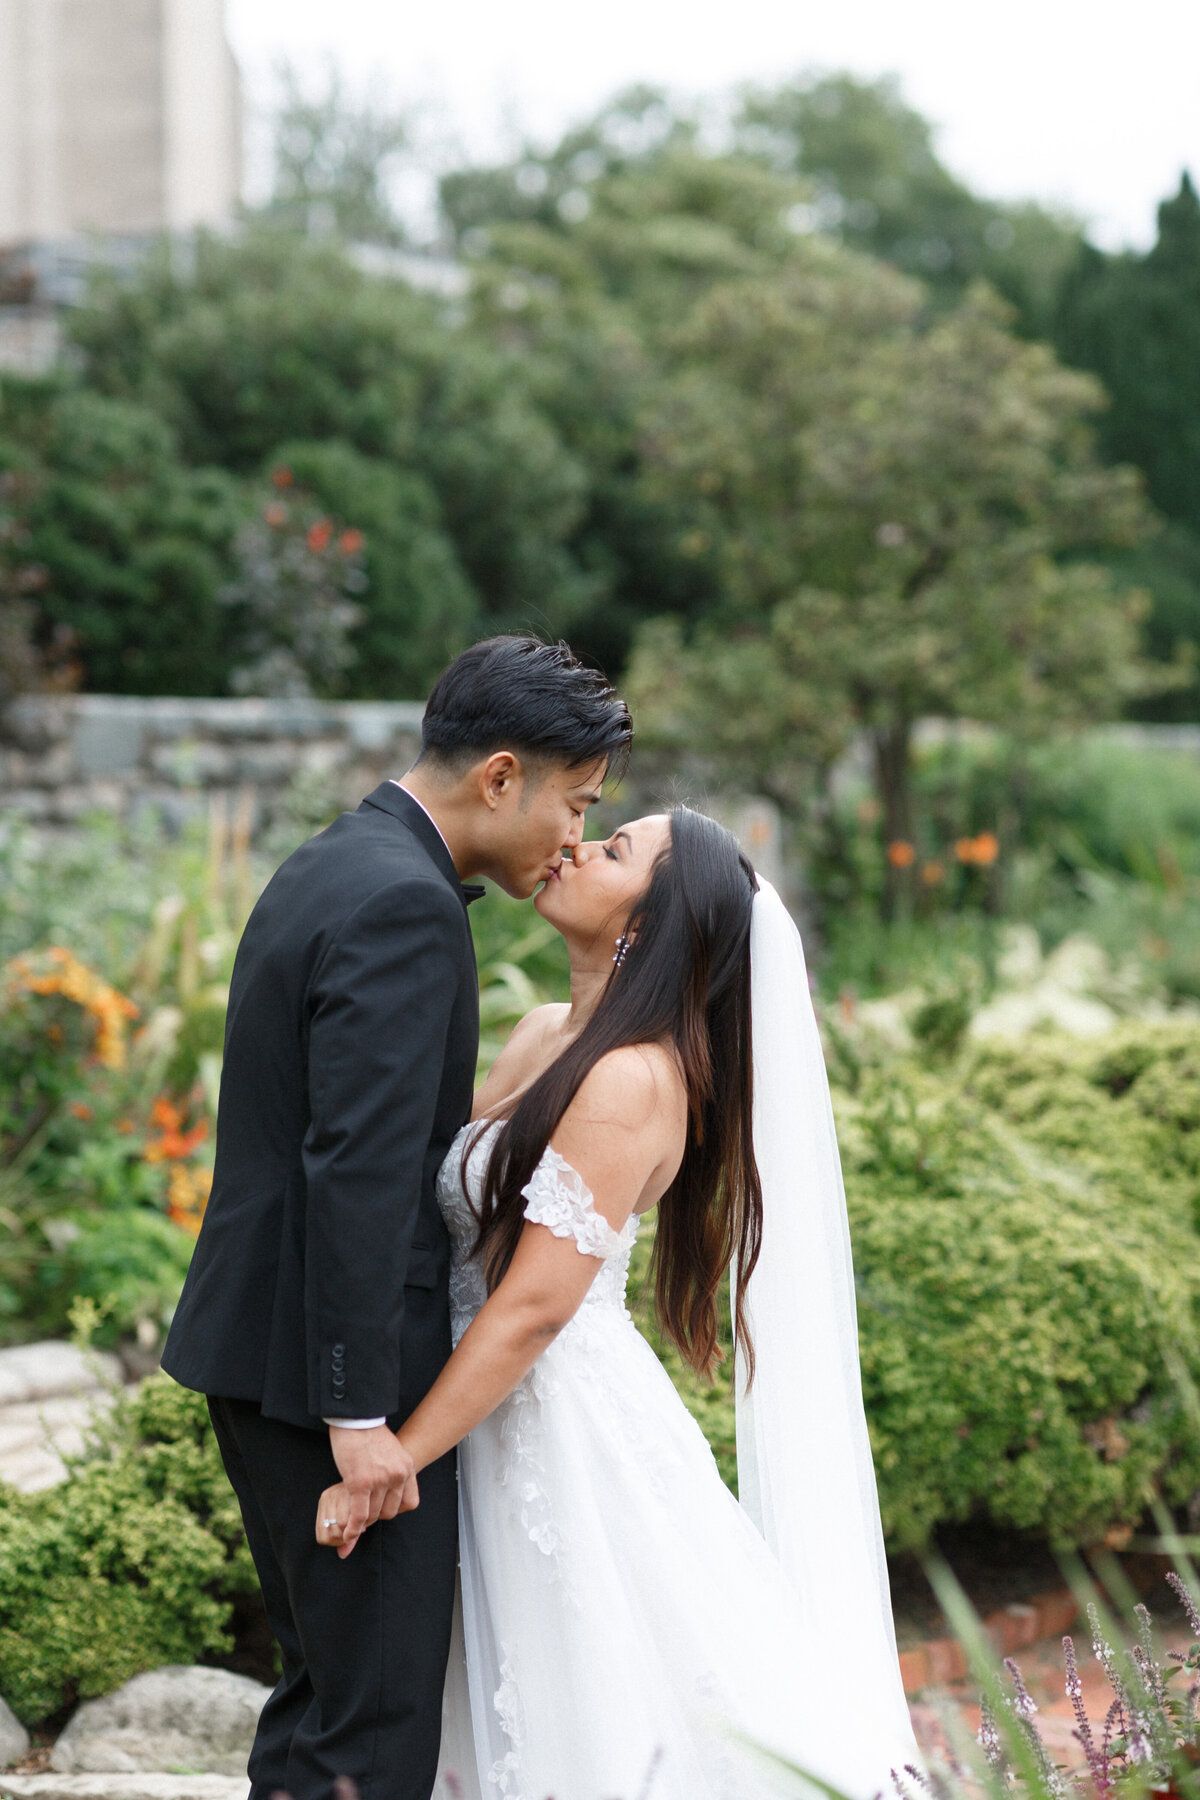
(376,1472)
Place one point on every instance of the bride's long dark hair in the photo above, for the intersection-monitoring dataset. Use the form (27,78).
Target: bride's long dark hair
(685,980)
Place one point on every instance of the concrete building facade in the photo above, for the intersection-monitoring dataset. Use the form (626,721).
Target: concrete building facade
(117,117)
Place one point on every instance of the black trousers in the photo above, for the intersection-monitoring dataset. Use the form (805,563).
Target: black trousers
(364,1642)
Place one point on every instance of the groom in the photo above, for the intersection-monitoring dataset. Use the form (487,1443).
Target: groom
(316,1314)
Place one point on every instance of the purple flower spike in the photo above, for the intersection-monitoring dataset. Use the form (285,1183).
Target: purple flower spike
(1026,1706)
(1083,1730)
(989,1737)
(1189,1603)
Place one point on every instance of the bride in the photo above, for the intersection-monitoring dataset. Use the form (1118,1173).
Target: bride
(627,1629)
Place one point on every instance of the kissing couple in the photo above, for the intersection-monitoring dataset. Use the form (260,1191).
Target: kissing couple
(494,1546)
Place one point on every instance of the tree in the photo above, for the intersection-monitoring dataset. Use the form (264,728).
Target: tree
(904,509)
(333,158)
(267,343)
(880,186)
(585,262)
(128,545)
(1135,320)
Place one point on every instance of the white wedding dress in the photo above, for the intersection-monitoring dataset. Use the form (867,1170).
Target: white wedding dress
(624,1631)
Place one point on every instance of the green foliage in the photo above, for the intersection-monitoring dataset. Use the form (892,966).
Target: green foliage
(409,426)
(1090,835)
(522,964)
(133,1562)
(105,1146)
(259,342)
(127,544)
(291,597)
(1025,1254)
(684,386)
(890,546)
(419,607)
(1134,318)
(880,187)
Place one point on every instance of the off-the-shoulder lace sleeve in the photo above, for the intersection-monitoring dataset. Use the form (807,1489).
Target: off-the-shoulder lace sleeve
(555,1196)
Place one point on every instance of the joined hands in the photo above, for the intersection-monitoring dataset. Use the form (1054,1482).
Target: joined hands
(379,1480)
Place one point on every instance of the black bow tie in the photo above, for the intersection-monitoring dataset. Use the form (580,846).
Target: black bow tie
(471,892)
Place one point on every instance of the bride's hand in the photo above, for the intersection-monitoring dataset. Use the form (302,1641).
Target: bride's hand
(333,1510)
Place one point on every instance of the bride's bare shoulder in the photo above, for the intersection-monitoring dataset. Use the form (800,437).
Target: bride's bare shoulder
(637,1086)
(537,1028)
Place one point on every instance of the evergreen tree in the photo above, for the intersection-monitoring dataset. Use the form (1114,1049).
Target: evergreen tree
(1135,321)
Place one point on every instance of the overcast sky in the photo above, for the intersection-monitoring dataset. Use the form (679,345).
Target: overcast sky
(1090,104)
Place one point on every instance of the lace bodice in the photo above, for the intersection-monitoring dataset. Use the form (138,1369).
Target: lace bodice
(555,1196)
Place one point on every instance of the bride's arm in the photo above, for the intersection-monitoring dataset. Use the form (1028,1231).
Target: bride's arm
(624,1135)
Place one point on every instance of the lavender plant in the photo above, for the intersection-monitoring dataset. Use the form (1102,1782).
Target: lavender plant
(1147,1743)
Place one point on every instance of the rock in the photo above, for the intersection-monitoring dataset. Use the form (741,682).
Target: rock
(124,1787)
(43,1371)
(172,1718)
(14,1739)
(37,1435)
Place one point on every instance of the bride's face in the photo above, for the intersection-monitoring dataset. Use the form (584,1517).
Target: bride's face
(590,898)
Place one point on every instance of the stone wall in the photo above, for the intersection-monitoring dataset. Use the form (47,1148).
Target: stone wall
(264,762)
(65,756)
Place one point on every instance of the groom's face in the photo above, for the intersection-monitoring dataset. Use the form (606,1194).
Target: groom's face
(540,813)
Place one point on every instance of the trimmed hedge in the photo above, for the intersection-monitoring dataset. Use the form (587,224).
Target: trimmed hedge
(132,1563)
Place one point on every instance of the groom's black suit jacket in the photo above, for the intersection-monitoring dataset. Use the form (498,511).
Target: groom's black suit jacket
(318,1288)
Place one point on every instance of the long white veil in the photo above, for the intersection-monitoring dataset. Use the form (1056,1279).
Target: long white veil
(805,1473)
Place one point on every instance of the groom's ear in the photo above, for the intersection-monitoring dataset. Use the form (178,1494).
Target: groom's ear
(498,777)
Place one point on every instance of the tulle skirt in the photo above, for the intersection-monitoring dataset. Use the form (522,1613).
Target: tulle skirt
(623,1631)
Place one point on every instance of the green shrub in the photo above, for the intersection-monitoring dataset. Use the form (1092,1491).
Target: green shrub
(1026,1255)
(131,1563)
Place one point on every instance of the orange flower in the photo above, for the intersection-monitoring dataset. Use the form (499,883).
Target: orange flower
(125,1127)
(350,543)
(900,854)
(282,477)
(932,873)
(78,1110)
(165,1114)
(187,1196)
(982,849)
(66,975)
(174,1146)
(319,536)
(275,514)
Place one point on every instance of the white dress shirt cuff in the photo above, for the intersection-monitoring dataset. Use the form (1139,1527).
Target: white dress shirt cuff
(355,1424)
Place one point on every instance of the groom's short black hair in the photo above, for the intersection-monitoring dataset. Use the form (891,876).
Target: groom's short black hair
(517,693)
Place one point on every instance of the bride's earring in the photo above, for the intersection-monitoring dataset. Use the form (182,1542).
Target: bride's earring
(622,950)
